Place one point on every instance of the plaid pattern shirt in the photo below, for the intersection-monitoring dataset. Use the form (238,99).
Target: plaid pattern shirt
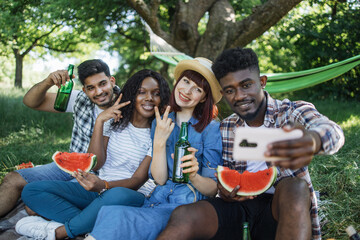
(84,121)
(278,114)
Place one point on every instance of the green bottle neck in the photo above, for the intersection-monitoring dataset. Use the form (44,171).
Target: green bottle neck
(70,71)
(184,131)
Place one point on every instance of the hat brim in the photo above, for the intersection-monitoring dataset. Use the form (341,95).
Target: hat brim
(195,65)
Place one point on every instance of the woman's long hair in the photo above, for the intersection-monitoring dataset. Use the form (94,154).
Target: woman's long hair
(204,112)
(130,91)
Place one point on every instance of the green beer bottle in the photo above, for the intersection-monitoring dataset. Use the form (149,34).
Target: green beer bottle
(353,235)
(63,94)
(181,147)
(246,231)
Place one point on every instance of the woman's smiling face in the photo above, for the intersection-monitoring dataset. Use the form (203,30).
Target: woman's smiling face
(147,98)
(188,94)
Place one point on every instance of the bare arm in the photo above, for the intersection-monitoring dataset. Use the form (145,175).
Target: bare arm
(93,183)
(38,98)
(98,143)
(163,129)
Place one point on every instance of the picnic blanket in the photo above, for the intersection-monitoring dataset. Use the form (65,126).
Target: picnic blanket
(7,224)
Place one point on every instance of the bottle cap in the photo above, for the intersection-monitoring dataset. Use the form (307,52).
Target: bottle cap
(350,230)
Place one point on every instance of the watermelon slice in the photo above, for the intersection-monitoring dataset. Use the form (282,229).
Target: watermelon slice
(251,184)
(71,162)
(24,165)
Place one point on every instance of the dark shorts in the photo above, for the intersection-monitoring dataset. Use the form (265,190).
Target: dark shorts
(257,212)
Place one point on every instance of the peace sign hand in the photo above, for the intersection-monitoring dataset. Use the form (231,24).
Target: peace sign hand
(113,111)
(164,126)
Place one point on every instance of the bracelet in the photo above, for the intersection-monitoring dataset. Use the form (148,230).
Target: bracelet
(106,185)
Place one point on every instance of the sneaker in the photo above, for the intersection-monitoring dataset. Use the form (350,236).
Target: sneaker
(37,228)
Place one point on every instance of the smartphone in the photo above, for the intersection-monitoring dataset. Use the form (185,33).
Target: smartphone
(250,144)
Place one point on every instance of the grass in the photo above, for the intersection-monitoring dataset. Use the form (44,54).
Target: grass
(28,135)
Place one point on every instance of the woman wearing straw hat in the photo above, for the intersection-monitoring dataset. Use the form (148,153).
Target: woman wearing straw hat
(193,101)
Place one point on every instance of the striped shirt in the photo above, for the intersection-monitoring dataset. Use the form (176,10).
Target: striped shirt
(126,149)
(278,114)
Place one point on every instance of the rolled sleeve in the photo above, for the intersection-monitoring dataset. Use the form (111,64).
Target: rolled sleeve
(331,134)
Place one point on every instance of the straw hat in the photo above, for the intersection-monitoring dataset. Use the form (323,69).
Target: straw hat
(202,66)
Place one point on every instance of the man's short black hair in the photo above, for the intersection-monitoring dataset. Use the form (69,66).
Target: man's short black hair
(233,60)
(92,67)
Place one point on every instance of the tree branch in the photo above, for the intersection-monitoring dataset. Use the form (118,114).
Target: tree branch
(35,42)
(214,40)
(65,50)
(149,15)
(123,33)
(262,19)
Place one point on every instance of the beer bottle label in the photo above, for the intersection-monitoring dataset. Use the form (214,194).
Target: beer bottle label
(180,154)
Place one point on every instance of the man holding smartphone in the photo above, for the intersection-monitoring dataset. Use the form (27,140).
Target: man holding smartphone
(289,209)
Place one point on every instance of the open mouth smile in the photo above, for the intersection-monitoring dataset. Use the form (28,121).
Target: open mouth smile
(148,107)
(183,97)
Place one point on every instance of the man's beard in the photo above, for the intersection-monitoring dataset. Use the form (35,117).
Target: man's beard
(252,116)
(109,103)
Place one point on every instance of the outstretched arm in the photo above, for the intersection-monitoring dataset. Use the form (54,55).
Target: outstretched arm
(321,136)
(299,151)
(38,98)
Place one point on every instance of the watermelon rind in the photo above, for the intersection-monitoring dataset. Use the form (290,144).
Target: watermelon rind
(221,170)
(93,163)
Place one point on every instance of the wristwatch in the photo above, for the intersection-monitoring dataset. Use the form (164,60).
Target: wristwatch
(106,187)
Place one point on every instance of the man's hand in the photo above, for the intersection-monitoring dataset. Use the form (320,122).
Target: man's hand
(58,78)
(231,196)
(113,111)
(89,181)
(299,151)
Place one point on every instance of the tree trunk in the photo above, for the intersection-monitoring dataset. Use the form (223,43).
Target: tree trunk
(222,30)
(18,68)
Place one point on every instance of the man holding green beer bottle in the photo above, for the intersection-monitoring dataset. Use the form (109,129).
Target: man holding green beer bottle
(99,92)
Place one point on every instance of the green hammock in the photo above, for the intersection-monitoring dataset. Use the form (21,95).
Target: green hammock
(286,82)
(277,82)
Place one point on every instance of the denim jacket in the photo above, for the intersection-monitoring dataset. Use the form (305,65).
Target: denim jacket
(209,155)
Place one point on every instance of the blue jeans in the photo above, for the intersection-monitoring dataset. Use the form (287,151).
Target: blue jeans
(44,172)
(146,222)
(71,204)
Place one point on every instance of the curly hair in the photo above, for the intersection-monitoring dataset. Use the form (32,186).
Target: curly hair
(204,112)
(130,91)
(233,60)
(92,67)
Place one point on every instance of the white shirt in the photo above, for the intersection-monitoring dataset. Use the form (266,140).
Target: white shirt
(126,149)
(254,166)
